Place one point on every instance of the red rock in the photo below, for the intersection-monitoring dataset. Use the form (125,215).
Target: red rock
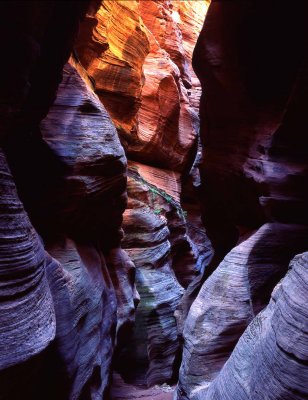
(140,73)
(112,46)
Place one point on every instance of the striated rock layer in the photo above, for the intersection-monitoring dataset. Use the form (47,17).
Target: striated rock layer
(231,298)
(58,314)
(27,310)
(155,237)
(254,175)
(141,73)
(270,359)
(69,169)
(51,313)
(139,62)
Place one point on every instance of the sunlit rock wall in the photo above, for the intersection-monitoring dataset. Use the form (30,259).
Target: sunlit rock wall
(64,178)
(138,56)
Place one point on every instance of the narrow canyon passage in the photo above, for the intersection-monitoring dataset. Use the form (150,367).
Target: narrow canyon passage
(153,195)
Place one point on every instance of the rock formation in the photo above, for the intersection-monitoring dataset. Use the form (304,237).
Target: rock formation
(70,172)
(109,285)
(145,81)
(58,309)
(270,359)
(254,194)
(158,111)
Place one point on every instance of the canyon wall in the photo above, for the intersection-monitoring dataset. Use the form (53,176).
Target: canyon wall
(62,171)
(108,280)
(138,55)
(241,339)
(70,291)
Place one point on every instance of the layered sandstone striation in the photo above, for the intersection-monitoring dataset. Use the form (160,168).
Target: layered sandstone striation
(254,175)
(83,233)
(138,55)
(231,298)
(270,358)
(59,308)
(69,293)
(112,46)
(147,69)
(106,269)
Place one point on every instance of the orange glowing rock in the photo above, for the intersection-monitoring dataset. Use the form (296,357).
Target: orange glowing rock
(138,54)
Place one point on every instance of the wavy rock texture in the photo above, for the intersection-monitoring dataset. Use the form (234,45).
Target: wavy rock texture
(144,69)
(275,341)
(42,301)
(252,120)
(28,320)
(176,26)
(153,114)
(63,310)
(155,239)
(27,311)
(80,133)
(254,171)
(70,170)
(85,305)
(112,46)
(231,297)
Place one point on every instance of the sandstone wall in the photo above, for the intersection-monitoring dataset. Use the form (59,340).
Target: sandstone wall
(138,55)
(251,59)
(69,290)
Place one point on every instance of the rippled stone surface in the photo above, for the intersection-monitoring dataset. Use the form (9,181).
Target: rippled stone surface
(231,297)
(149,354)
(142,71)
(270,358)
(84,225)
(254,175)
(68,179)
(27,312)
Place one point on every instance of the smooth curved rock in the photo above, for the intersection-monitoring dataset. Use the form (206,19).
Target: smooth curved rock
(28,322)
(73,184)
(80,133)
(112,46)
(252,117)
(270,359)
(84,225)
(85,305)
(149,354)
(143,64)
(254,184)
(165,117)
(231,297)
(122,272)
(156,239)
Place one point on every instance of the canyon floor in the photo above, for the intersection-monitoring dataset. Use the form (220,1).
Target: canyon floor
(123,391)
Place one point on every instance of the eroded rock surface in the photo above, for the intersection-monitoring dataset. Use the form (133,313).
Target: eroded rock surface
(270,359)
(27,310)
(141,72)
(70,172)
(231,297)
(155,235)
(254,175)
(59,316)
(144,64)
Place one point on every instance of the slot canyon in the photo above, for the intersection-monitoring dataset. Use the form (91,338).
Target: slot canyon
(153,200)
